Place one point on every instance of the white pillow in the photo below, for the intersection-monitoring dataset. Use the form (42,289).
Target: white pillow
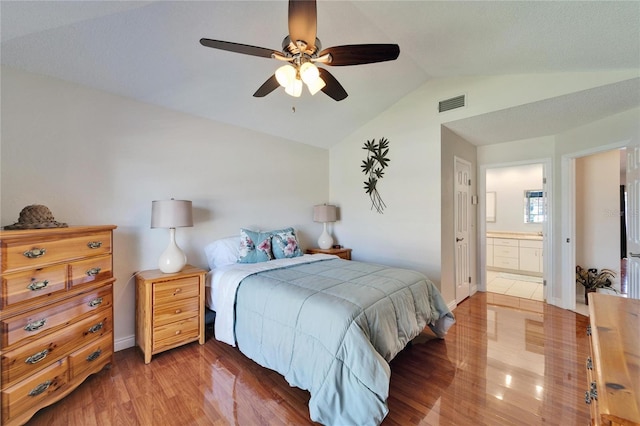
(222,252)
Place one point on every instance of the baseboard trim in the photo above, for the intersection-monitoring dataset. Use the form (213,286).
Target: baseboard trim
(124,343)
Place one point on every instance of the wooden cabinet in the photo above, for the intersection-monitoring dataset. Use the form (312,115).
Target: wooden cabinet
(505,253)
(56,314)
(344,253)
(530,255)
(169,309)
(613,369)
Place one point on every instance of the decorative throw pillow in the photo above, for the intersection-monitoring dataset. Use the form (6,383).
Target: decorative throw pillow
(284,243)
(254,246)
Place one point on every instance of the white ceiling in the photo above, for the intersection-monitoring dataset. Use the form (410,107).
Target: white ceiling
(150,51)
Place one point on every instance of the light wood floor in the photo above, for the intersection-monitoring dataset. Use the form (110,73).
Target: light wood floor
(497,366)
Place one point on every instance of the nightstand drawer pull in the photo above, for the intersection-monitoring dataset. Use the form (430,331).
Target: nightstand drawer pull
(589,330)
(178,311)
(589,363)
(40,388)
(37,357)
(178,332)
(34,253)
(36,325)
(94,244)
(96,328)
(94,355)
(594,391)
(37,285)
(93,272)
(177,291)
(587,397)
(95,302)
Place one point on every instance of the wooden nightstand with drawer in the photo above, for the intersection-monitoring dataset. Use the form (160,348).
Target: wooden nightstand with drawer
(169,309)
(344,253)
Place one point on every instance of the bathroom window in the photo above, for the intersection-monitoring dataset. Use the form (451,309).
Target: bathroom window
(534,206)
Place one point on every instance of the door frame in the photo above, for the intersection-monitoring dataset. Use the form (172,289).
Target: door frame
(567,299)
(547,226)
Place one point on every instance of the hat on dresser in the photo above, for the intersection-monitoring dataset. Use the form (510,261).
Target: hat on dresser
(36,216)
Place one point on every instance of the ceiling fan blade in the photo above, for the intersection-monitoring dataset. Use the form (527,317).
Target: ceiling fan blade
(267,87)
(303,21)
(333,88)
(357,54)
(238,48)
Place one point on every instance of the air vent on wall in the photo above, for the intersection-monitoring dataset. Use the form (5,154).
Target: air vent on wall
(449,104)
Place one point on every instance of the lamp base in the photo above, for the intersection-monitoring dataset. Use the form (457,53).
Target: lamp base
(325,241)
(173,258)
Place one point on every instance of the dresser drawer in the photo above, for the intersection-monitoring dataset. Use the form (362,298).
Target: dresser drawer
(92,357)
(169,291)
(531,243)
(37,323)
(505,262)
(90,270)
(175,311)
(28,285)
(508,242)
(37,254)
(19,398)
(28,359)
(175,333)
(505,251)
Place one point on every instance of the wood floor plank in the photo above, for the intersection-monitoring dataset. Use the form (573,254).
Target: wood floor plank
(500,364)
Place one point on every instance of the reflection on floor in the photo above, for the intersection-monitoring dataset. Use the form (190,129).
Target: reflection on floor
(524,286)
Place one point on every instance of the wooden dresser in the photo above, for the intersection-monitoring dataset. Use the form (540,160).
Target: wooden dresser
(169,309)
(613,369)
(56,314)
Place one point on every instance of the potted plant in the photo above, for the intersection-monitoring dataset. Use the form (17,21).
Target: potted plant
(592,280)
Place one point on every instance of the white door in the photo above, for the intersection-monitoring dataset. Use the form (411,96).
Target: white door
(462,214)
(633,221)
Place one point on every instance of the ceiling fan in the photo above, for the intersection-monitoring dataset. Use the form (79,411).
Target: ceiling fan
(301,49)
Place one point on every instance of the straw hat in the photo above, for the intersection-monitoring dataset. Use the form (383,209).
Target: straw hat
(36,217)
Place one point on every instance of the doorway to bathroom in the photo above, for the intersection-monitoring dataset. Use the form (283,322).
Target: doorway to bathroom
(516,213)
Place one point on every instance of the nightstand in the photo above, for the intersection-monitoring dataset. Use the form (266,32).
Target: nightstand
(169,309)
(344,253)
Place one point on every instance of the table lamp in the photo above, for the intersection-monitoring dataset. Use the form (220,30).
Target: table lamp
(324,213)
(171,214)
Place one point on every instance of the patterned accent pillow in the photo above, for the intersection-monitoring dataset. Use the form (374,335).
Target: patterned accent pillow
(284,243)
(254,246)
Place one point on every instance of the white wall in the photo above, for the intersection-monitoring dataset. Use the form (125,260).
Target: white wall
(95,158)
(509,184)
(408,234)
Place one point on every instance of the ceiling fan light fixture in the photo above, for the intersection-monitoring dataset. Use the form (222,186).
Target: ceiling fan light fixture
(309,73)
(286,75)
(316,86)
(294,88)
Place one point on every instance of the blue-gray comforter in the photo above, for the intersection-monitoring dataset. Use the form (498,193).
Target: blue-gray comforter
(331,327)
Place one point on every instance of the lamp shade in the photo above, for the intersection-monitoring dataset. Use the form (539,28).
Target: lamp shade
(171,214)
(324,213)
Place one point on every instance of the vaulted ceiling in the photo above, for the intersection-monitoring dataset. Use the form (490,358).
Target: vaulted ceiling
(150,51)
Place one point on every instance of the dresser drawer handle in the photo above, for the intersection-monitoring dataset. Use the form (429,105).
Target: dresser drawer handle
(94,355)
(37,357)
(36,325)
(96,328)
(37,285)
(587,397)
(178,290)
(94,244)
(93,272)
(40,388)
(178,311)
(178,332)
(594,391)
(589,330)
(34,253)
(589,363)
(95,302)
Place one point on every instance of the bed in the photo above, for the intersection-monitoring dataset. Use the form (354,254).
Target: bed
(328,325)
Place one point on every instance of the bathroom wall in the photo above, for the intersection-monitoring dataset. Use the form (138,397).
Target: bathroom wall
(509,185)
